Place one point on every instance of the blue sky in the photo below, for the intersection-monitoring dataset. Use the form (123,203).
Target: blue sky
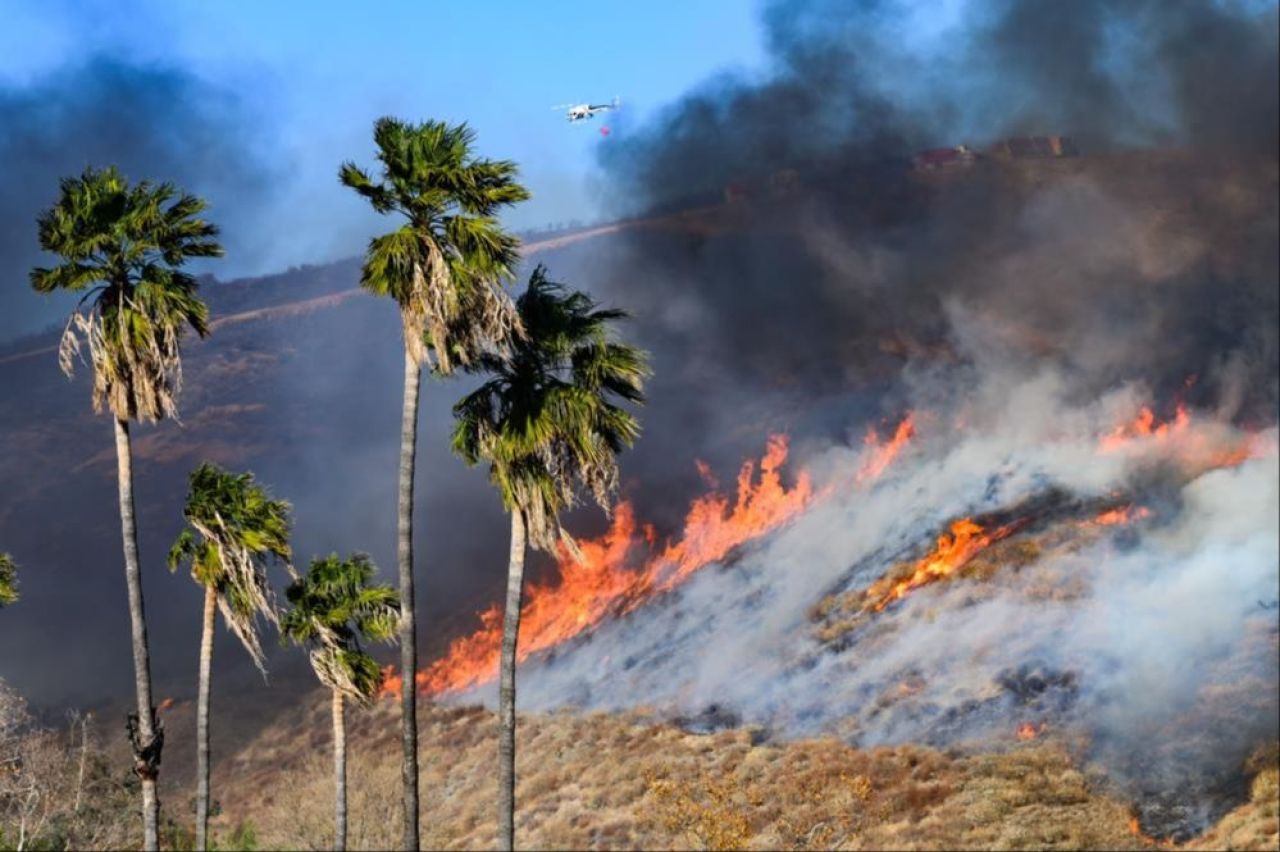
(318,73)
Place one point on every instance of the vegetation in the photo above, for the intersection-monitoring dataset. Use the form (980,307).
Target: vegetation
(546,421)
(243,837)
(58,788)
(333,607)
(8,580)
(549,421)
(234,529)
(630,781)
(444,267)
(1256,823)
(124,246)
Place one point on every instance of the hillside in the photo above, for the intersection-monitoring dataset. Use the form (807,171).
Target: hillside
(630,781)
(794,636)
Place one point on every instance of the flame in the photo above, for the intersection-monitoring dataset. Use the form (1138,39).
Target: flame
(1120,515)
(1196,444)
(1145,426)
(391,682)
(883,455)
(165,705)
(1029,731)
(606,580)
(1135,828)
(952,552)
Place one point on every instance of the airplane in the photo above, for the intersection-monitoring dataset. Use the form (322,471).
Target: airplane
(581,112)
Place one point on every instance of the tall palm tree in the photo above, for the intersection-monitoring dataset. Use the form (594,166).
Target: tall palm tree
(444,267)
(547,422)
(124,246)
(8,580)
(234,529)
(332,607)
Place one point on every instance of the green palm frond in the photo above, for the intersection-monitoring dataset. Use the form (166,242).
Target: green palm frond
(234,530)
(331,609)
(548,420)
(445,266)
(8,580)
(125,245)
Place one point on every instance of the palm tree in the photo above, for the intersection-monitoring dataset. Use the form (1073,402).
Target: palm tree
(125,246)
(547,422)
(8,580)
(332,608)
(444,266)
(234,529)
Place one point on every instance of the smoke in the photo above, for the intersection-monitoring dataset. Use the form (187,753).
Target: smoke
(1151,257)
(1040,301)
(155,122)
(1156,642)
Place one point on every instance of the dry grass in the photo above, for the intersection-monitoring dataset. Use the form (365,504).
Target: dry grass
(1256,823)
(598,781)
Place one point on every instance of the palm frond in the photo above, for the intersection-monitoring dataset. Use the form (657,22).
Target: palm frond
(234,530)
(8,580)
(447,264)
(132,241)
(332,607)
(547,421)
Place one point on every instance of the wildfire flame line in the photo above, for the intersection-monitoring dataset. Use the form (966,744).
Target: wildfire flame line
(1029,730)
(1194,443)
(951,553)
(623,569)
(1145,425)
(883,455)
(1119,516)
(606,580)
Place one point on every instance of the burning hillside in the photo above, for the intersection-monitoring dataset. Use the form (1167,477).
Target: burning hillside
(992,560)
(622,570)
(1053,601)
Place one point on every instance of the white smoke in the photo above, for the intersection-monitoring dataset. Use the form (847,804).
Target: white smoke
(1119,635)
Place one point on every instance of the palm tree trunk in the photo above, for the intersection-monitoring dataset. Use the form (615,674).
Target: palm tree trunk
(408,627)
(507,687)
(339,773)
(202,720)
(147,747)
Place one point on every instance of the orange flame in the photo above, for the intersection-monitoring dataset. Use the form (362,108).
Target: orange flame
(1145,426)
(1135,828)
(952,552)
(1120,515)
(391,683)
(1198,445)
(883,455)
(1029,731)
(604,582)
(164,705)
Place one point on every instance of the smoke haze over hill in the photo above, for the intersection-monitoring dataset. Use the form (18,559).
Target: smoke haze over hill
(1035,298)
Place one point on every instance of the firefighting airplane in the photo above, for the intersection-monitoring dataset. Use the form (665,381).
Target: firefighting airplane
(581,112)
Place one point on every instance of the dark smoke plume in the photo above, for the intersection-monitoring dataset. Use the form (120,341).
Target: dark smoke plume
(154,122)
(1151,257)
